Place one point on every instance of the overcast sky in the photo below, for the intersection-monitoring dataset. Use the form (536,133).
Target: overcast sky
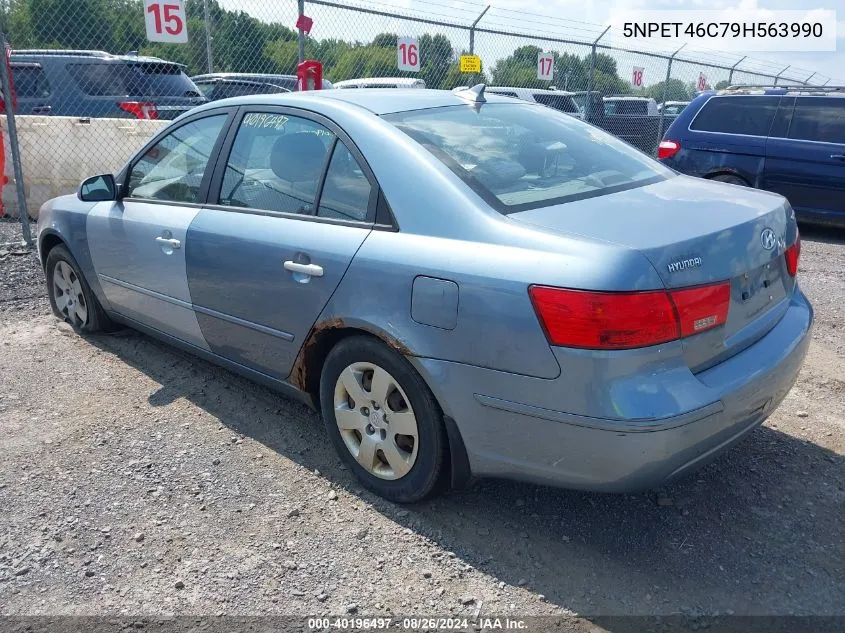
(571,19)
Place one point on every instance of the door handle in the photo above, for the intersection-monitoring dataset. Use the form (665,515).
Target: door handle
(312,270)
(165,241)
(45,109)
(838,156)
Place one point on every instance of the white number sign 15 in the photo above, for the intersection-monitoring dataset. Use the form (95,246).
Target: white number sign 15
(165,21)
(545,66)
(408,54)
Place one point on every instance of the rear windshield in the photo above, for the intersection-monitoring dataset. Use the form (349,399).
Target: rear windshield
(626,107)
(147,79)
(562,103)
(520,156)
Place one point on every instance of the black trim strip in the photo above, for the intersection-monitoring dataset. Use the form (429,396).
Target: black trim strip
(300,216)
(147,292)
(285,336)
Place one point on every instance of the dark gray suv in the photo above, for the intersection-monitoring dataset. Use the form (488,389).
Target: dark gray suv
(98,84)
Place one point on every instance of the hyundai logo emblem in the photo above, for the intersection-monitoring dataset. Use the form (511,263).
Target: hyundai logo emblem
(768,239)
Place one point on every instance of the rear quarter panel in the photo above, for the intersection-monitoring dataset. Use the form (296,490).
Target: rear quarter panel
(490,321)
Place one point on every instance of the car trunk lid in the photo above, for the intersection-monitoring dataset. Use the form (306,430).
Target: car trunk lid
(695,233)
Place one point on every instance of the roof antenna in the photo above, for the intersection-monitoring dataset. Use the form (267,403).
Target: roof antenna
(474,94)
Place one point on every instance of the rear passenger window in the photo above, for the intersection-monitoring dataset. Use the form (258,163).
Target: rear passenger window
(101,80)
(819,119)
(30,82)
(737,115)
(276,163)
(346,192)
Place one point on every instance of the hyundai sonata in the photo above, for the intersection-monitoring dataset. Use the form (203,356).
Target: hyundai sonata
(462,284)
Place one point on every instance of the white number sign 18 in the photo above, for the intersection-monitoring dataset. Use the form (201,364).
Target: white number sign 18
(165,21)
(637,78)
(545,66)
(702,82)
(408,54)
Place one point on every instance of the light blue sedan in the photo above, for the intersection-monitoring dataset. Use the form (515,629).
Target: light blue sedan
(462,284)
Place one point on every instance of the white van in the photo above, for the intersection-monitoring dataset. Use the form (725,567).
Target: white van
(556,99)
(381,82)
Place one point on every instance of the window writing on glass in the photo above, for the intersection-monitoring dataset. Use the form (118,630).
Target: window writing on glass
(173,168)
(276,163)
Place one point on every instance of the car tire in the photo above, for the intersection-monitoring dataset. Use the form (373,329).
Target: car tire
(730,179)
(365,386)
(70,295)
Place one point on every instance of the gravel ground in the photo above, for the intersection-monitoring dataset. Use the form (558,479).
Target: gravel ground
(139,480)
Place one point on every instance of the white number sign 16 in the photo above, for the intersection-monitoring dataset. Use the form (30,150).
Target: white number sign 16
(408,54)
(165,21)
(545,66)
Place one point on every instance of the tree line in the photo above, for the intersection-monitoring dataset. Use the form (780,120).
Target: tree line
(243,43)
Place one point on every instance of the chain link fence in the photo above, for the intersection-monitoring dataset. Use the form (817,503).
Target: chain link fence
(90,88)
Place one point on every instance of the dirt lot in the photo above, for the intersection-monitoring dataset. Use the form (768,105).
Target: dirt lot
(139,480)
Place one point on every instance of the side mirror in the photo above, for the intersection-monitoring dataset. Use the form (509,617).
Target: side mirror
(98,188)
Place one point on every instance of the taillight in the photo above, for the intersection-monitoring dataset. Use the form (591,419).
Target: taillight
(667,149)
(139,109)
(626,320)
(793,253)
(702,308)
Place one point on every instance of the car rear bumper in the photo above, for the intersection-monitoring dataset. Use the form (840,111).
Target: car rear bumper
(508,437)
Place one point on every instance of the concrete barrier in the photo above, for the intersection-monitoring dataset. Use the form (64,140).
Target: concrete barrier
(57,153)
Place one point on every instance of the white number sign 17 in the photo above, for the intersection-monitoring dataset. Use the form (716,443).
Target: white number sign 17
(408,54)
(545,66)
(165,21)
(637,78)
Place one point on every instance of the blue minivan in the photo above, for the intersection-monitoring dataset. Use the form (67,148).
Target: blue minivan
(787,140)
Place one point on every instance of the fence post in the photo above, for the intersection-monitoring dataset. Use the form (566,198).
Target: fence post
(731,74)
(807,80)
(300,42)
(780,73)
(665,92)
(825,83)
(472,30)
(590,79)
(13,142)
(207,36)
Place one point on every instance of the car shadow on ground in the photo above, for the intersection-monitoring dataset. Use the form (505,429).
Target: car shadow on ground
(758,531)
(824,234)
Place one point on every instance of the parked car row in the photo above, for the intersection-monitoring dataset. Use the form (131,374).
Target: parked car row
(787,140)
